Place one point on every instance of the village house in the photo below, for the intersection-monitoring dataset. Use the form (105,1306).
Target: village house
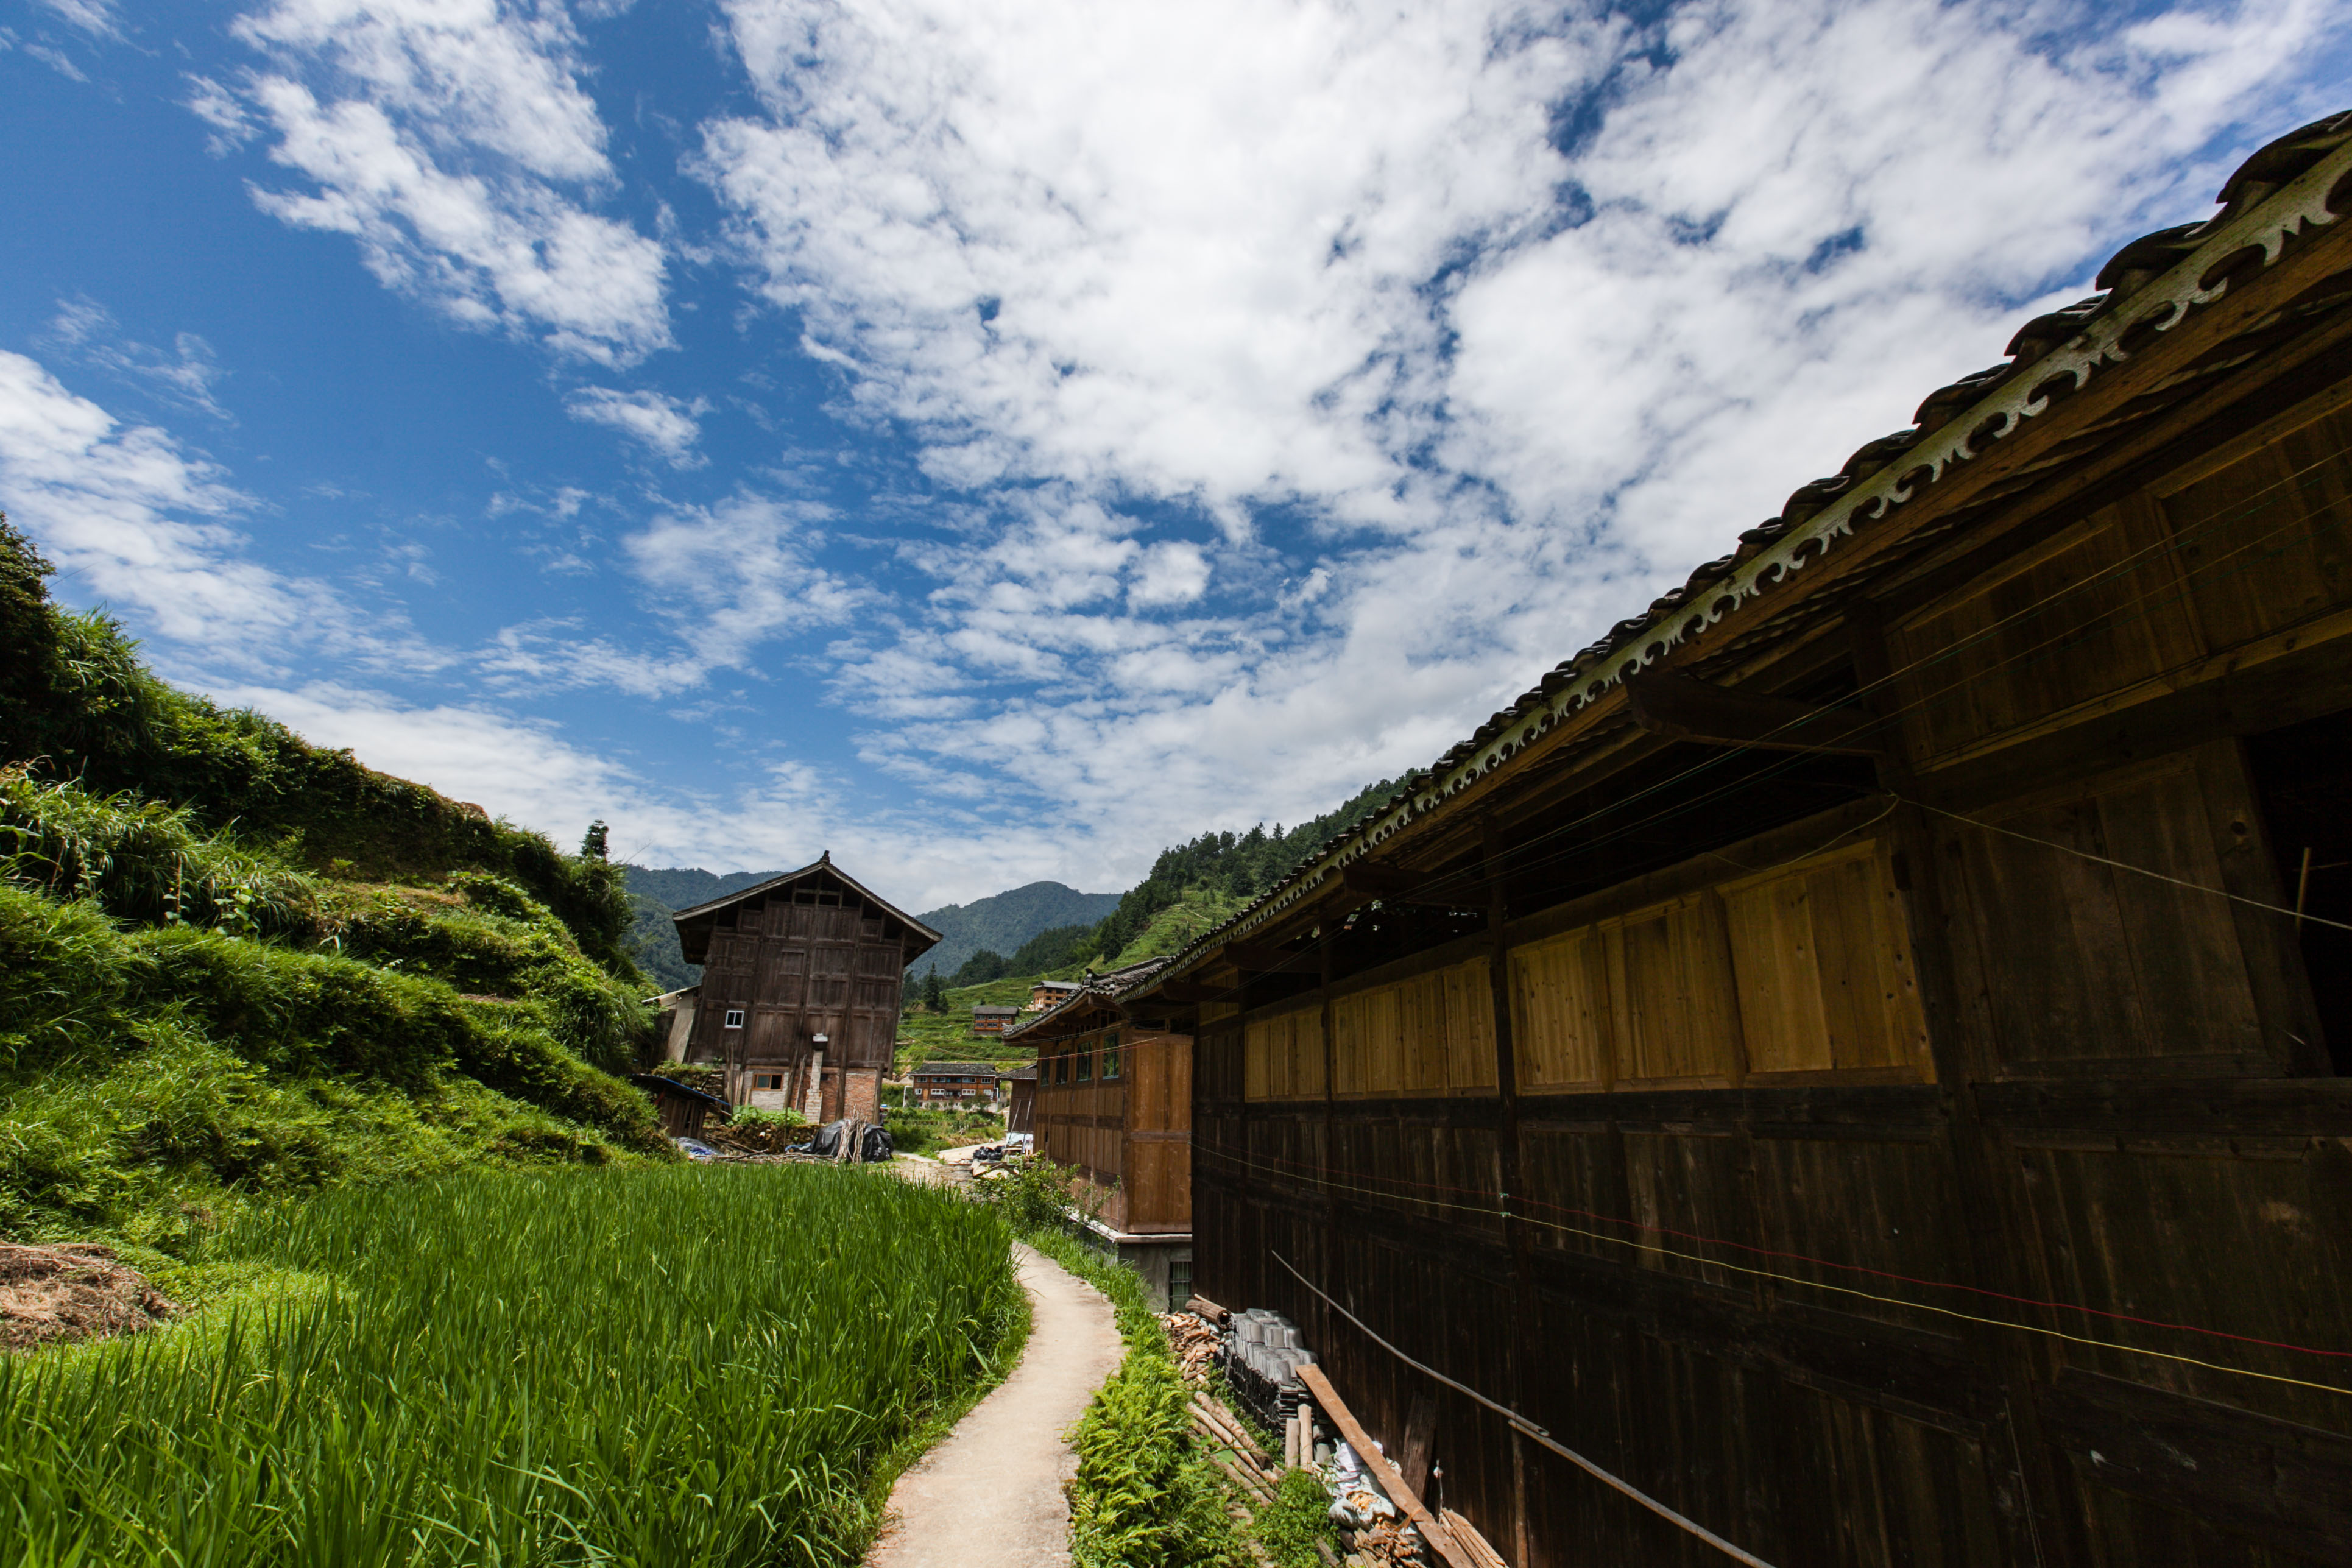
(1114,1102)
(993,1021)
(1046,992)
(953,1083)
(800,991)
(1859,1054)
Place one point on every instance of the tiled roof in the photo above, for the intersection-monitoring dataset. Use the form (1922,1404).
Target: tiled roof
(1109,983)
(823,862)
(956,1070)
(2299,182)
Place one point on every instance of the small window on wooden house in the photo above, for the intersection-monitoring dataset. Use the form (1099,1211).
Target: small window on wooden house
(734,1017)
(767,1081)
(1110,1057)
(1086,1063)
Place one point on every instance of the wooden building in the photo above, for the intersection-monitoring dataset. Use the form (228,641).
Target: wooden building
(1856,1053)
(1046,992)
(799,998)
(992,1022)
(1113,1100)
(953,1083)
(1018,1085)
(683,1110)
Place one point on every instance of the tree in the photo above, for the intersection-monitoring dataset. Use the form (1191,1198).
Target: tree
(596,845)
(935,990)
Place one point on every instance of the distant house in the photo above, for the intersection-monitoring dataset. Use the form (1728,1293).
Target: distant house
(799,999)
(954,1083)
(992,1020)
(1046,993)
(1018,1088)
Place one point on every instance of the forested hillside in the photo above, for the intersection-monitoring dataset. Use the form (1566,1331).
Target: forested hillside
(233,962)
(1007,923)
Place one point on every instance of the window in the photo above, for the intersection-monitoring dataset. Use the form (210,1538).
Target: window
(1110,1057)
(734,1017)
(1061,1069)
(766,1080)
(1086,1063)
(1179,1283)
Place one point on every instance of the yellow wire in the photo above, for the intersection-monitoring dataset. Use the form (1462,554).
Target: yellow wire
(1792,1279)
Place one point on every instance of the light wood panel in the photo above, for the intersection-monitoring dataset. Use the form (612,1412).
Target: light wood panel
(1432,1034)
(1674,1012)
(1284,1057)
(1560,1011)
(1825,976)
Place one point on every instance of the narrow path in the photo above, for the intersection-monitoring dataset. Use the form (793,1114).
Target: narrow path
(991,1492)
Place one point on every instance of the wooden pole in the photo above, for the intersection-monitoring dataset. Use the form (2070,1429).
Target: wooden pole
(1441,1540)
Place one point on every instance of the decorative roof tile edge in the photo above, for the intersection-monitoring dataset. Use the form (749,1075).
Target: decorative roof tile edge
(2208,259)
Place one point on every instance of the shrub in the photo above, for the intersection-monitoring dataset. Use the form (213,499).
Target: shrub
(1289,1528)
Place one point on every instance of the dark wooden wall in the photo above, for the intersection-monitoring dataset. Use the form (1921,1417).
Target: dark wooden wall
(798,969)
(1789,1180)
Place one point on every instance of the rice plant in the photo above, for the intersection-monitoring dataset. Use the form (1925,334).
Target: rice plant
(653,1367)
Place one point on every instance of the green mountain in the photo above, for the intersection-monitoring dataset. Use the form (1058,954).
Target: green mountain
(1006,923)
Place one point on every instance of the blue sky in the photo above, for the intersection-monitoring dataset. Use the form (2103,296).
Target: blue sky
(992,440)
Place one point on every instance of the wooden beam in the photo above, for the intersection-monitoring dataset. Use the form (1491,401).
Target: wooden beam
(1185,992)
(1683,708)
(1441,1540)
(1377,880)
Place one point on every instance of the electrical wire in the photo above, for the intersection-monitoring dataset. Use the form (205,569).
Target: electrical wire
(1541,1435)
(1800,1282)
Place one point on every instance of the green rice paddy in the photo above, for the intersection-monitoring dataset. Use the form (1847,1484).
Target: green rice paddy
(643,1367)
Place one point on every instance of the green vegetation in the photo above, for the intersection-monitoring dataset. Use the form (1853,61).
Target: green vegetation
(1143,1497)
(928,1131)
(1288,1528)
(1174,926)
(232,963)
(655,1367)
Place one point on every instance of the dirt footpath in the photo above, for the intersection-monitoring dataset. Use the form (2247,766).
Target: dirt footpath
(992,1491)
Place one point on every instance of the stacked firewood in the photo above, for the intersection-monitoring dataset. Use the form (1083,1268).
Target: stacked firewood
(1194,1342)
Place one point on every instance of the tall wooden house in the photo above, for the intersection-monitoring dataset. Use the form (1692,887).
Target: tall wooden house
(799,997)
(1113,1100)
(1860,1053)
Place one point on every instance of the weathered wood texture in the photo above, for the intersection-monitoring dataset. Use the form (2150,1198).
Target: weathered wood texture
(1959,1183)
(1116,1102)
(810,958)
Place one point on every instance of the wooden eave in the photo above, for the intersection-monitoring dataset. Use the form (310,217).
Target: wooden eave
(694,924)
(2250,307)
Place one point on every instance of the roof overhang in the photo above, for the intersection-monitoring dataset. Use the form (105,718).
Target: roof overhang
(694,924)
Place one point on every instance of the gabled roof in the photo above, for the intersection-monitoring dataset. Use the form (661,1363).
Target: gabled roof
(2273,208)
(1017,1075)
(955,1070)
(693,924)
(993,1012)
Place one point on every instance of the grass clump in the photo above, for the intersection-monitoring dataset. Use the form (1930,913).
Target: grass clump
(929,1130)
(1288,1528)
(657,1367)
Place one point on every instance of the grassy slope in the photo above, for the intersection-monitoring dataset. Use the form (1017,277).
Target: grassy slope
(1196,911)
(235,965)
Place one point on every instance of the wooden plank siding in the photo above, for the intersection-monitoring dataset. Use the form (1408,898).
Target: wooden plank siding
(1129,1135)
(1938,1162)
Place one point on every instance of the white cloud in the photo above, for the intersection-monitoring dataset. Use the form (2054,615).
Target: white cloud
(738,575)
(186,377)
(669,428)
(98,18)
(452,139)
(138,520)
(1467,327)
